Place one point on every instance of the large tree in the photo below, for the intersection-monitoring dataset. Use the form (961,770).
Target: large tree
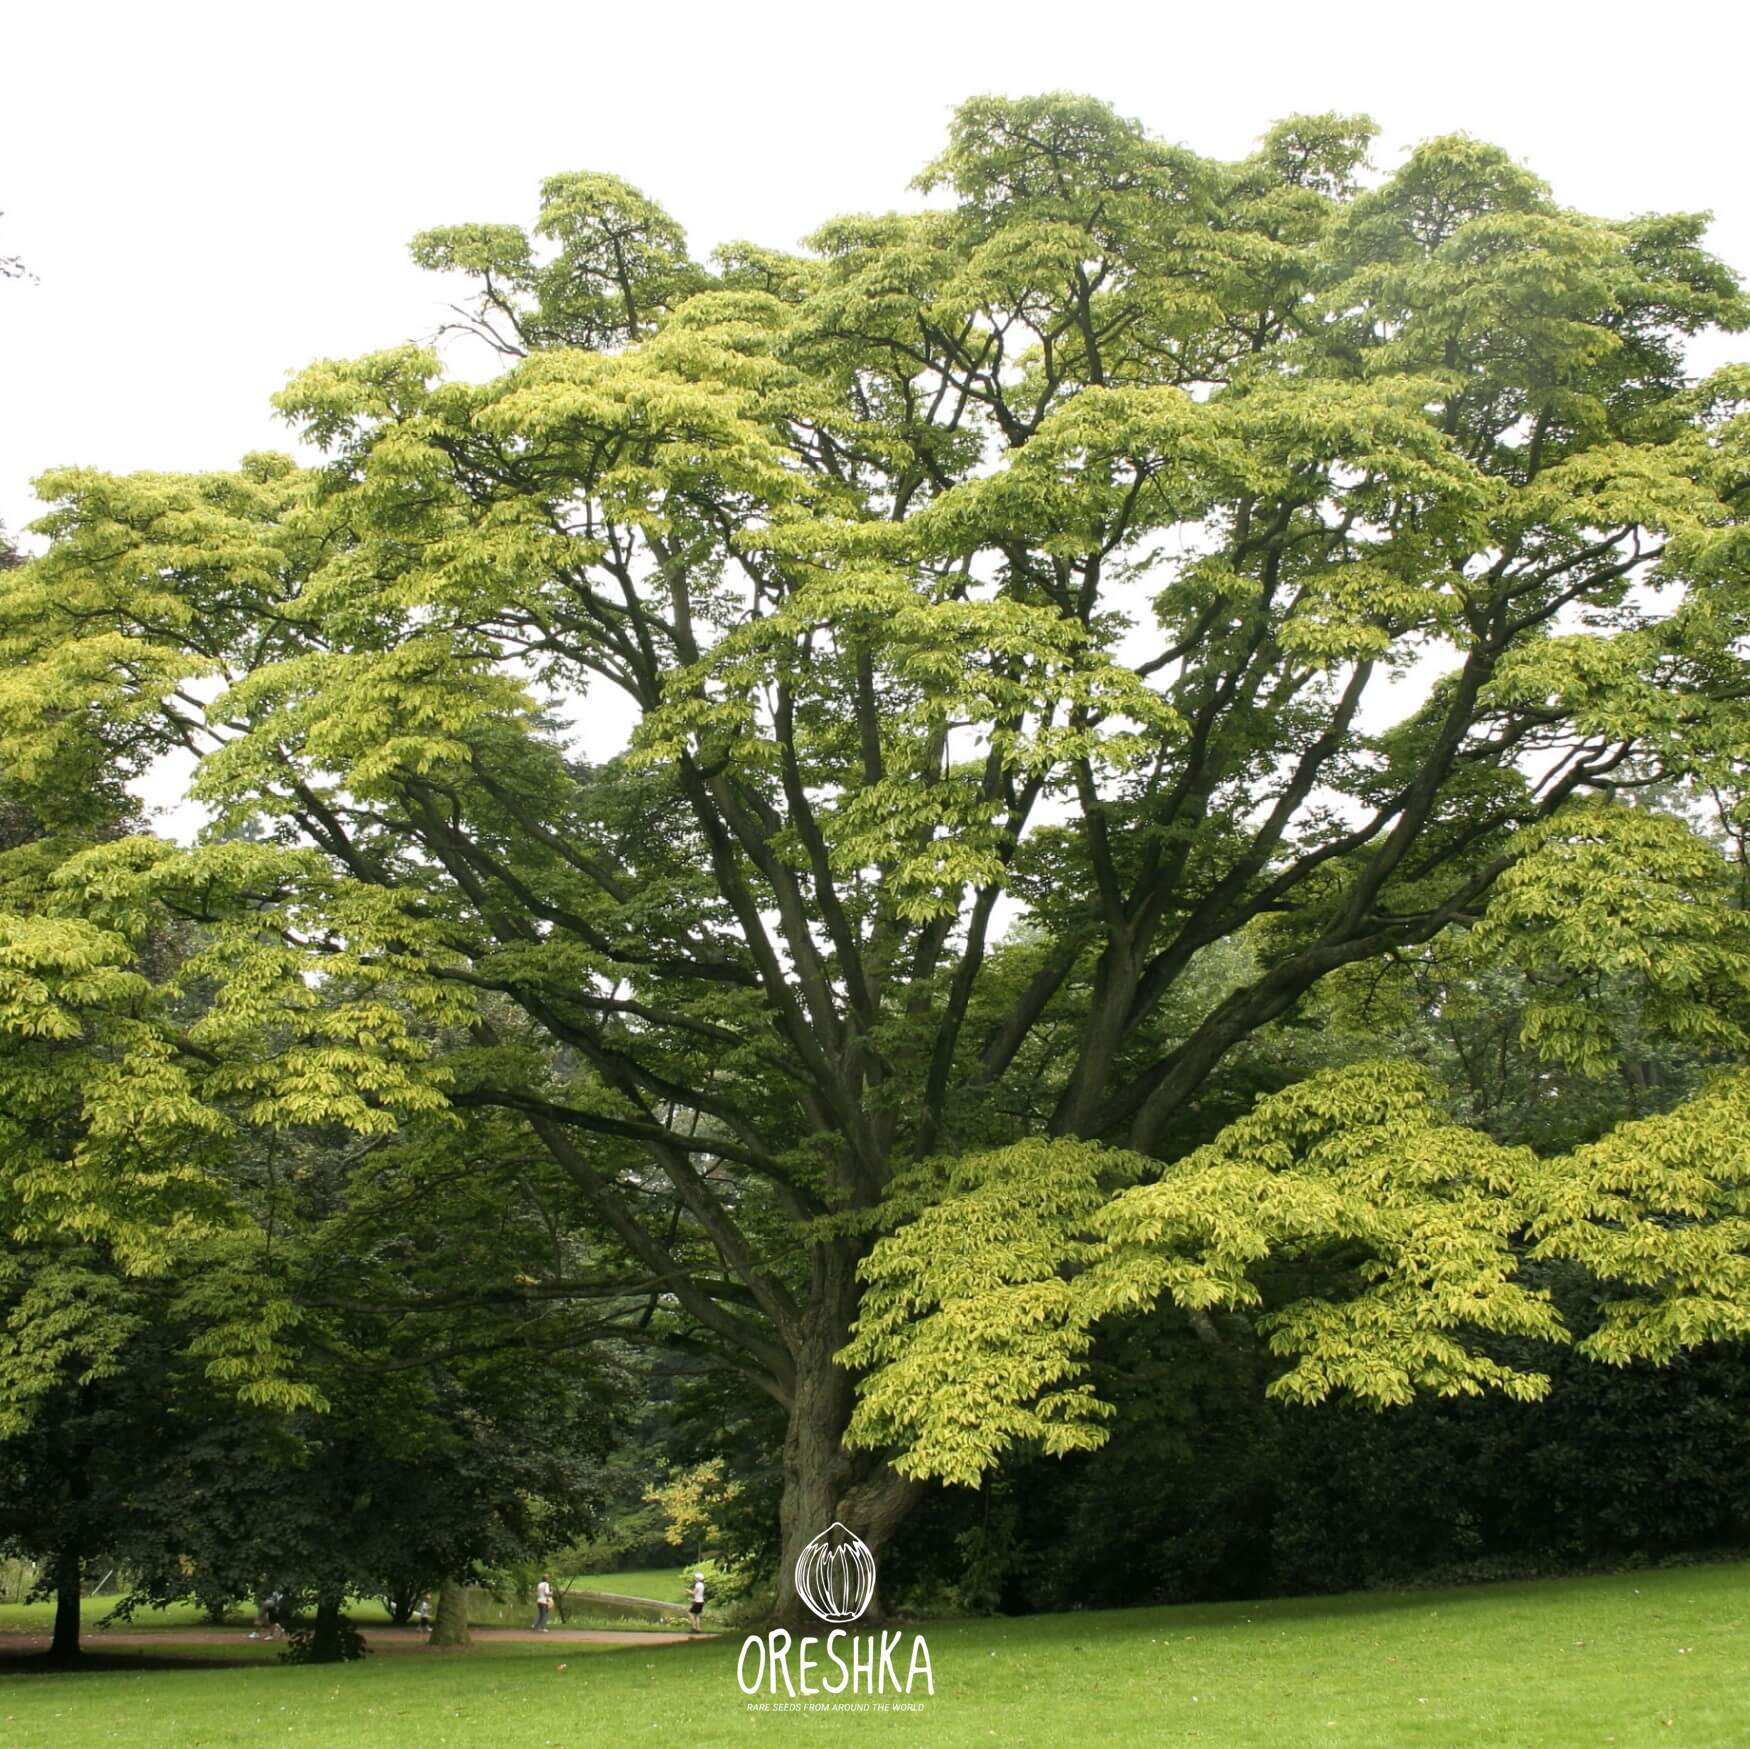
(1061,630)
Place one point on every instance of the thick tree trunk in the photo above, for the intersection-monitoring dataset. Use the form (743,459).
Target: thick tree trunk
(66,1638)
(824,1484)
(450,1625)
(325,1646)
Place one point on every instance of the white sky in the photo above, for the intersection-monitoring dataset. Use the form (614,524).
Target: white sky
(214,195)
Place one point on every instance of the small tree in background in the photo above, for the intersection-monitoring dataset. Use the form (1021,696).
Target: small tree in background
(691,1502)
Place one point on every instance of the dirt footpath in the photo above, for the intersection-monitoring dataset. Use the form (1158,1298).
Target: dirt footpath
(379,1639)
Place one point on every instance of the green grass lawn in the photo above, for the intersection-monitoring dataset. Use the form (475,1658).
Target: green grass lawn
(1655,1657)
(39,1618)
(660,1584)
(665,1584)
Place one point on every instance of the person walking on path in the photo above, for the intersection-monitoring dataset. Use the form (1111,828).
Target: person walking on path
(271,1616)
(543,1603)
(697,1607)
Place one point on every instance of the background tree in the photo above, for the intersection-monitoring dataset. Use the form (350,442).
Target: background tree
(115,1248)
(691,1502)
(99,1373)
(1134,558)
(403,1484)
(173,1252)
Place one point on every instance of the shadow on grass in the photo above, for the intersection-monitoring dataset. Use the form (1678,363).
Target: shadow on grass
(34,1661)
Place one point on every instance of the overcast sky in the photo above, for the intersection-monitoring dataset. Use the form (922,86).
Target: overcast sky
(213,196)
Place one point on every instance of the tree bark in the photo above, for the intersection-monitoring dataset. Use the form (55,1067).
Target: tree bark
(450,1625)
(325,1647)
(824,1484)
(65,1644)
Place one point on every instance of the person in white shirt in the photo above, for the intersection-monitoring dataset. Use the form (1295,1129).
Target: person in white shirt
(543,1603)
(698,1603)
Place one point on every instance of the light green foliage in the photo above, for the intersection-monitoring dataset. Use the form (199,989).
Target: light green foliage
(691,1501)
(1046,551)
(975,1317)
(619,261)
(1361,1162)
(979,1314)
(138,1071)
(1612,892)
(66,1320)
(1660,1211)
(103,1134)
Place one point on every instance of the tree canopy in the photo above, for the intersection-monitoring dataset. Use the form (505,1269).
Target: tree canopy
(1065,631)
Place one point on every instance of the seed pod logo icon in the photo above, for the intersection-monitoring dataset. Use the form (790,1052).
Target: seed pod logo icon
(835,1575)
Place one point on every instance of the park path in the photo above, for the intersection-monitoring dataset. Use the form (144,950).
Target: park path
(383,1639)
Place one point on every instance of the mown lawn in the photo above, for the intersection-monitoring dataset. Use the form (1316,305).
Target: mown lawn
(1654,1657)
(39,1618)
(664,1584)
(484,1610)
